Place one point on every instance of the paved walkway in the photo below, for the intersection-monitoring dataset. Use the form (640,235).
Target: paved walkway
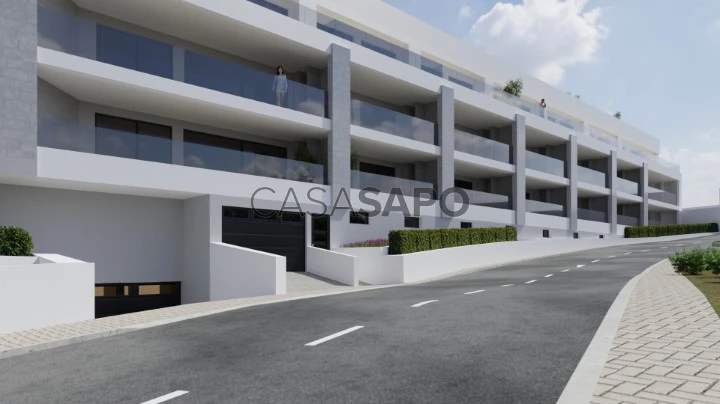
(299,286)
(667,347)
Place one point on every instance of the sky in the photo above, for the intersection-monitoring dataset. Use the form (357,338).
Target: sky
(655,61)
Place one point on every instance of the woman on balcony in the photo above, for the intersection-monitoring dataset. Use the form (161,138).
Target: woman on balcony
(280,85)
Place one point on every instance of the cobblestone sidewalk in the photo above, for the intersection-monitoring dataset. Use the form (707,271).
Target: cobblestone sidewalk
(667,347)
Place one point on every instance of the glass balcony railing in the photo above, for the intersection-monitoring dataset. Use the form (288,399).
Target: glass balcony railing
(479,198)
(628,220)
(287,8)
(480,146)
(545,164)
(518,102)
(395,123)
(386,184)
(662,196)
(592,215)
(604,137)
(591,176)
(156,148)
(66,33)
(565,121)
(628,186)
(544,208)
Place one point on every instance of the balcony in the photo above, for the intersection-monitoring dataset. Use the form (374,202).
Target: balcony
(592,215)
(544,208)
(604,137)
(565,121)
(479,198)
(483,147)
(628,220)
(287,8)
(65,33)
(628,186)
(591,176)
(385,120)
(539,162)
(157,147)
(662,196)
(386,184)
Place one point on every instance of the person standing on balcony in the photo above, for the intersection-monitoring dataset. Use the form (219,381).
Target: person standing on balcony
(542,103)
(280,85)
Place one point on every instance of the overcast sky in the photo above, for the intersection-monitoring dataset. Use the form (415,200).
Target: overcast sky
(656,61)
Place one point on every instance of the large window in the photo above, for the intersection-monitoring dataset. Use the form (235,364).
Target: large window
(134,52)
(377,169)
(227,154)
(128,138)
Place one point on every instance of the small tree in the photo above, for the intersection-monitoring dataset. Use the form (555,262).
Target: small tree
(354,162)
(303,154)
(618,115)
(514,87)
(15,242)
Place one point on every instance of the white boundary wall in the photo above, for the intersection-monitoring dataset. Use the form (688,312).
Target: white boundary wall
(237,272)
(45,290)
(332,265)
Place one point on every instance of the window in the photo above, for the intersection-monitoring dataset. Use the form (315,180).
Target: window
(546,233)
(359,218)
(227,154)
(377,169)
(576,235)
(602,236)
(412,222)
(464,184)
(128,138)
(465,225)
(134,52)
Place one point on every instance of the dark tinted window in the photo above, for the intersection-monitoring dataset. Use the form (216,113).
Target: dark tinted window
(546,233)
(412,222)
(359,218)
(127,138)
(464,184)
(134,52)
(377,169)
(466,225)
(212,152)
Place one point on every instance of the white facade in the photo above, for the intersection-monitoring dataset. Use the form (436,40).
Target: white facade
(135,156)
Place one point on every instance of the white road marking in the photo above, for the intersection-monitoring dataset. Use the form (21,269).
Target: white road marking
(580,266)
(338,334)
(595,261)
(529,282)
(612,256)
(166,397)
(644,250)
(548,275)
(477,291)
(628,253)
(663,247)
(565,270)
(423,303)
(504,286)
(697,242)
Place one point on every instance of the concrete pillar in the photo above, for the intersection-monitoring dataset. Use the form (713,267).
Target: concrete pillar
(339,141)
(178,64)
(518,179)
(446,141)
(644,209)
(571,169)
(612,185)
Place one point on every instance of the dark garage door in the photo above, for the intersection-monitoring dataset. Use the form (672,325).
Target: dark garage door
(269,231)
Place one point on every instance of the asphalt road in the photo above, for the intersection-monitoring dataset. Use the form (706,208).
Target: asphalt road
(507,344)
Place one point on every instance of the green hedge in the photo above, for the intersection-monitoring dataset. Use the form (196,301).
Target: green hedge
(669,230)
(15,242)
(412,241)
(697,260)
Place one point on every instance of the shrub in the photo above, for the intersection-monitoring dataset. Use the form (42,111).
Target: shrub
(381,242)
(412,241)
(716,244)
(669,230)
(689,262)
(15,242)
(712,260)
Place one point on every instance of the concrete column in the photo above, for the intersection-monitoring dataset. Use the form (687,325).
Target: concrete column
(178,64)
(178,144)
(644,210)
(446,140)
(339,141)
(518,179)
(571,169)
(612,185)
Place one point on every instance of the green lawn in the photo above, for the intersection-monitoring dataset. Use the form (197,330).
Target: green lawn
(709,284)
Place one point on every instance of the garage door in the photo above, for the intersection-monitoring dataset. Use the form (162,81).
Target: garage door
(280,233)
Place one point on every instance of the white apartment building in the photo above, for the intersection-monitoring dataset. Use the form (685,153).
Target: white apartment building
(139,135)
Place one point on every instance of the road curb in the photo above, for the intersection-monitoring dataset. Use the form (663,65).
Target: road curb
(581,385)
